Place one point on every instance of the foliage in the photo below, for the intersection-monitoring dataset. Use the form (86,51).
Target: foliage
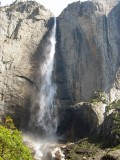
(116,125)
(83,148)
(110,129)
(11,144)
(114,105)
(99,97)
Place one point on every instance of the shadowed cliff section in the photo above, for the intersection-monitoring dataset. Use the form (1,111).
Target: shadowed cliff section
(77,122)
(87,43)
(87,55)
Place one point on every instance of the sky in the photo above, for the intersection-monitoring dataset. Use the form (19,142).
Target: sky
(56,6)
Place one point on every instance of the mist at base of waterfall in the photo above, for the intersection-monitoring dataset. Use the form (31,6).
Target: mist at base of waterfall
(44,119)
(42,147)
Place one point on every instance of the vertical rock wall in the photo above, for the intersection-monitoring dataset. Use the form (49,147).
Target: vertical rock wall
(23,36)
(88,51)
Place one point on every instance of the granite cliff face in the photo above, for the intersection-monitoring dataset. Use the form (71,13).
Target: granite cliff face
(23,36)
(88,51)
(87,62)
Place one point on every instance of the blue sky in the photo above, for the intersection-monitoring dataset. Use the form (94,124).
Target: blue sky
(56,6)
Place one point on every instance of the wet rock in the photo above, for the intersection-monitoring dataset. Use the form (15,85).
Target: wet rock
(79,121)
(57,156)
(48,156)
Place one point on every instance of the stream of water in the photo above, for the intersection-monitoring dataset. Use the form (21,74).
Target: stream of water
(46,117)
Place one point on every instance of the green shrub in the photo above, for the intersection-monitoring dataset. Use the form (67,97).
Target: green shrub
(114,105)
(110,129)
(11,144)
(99,97)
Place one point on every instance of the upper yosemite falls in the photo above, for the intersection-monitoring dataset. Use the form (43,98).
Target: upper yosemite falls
(60,78)
(45,119)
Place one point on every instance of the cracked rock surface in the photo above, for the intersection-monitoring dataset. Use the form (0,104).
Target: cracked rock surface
(23,30)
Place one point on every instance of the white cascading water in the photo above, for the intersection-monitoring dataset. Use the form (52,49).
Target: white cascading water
(46,117)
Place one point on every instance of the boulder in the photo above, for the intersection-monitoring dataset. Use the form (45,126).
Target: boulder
(78,121)
(112,155)
(109,131)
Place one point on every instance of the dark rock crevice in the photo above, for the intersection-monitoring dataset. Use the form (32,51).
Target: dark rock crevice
(108,158)
(27,79)
(77,122)
(14,34)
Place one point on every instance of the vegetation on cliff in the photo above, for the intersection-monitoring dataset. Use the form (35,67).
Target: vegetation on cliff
(99,97)
(110,129)
(83,149)
(11,144)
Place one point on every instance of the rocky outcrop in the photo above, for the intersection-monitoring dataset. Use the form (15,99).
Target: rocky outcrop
(23,36)
(80,120)
(84,150)
(109,130)
(88,51)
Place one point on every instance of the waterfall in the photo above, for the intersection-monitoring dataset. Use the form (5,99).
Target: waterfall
(46,116)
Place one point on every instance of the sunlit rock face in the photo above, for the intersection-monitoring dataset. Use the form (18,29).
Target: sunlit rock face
(88,51)
(24,30)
